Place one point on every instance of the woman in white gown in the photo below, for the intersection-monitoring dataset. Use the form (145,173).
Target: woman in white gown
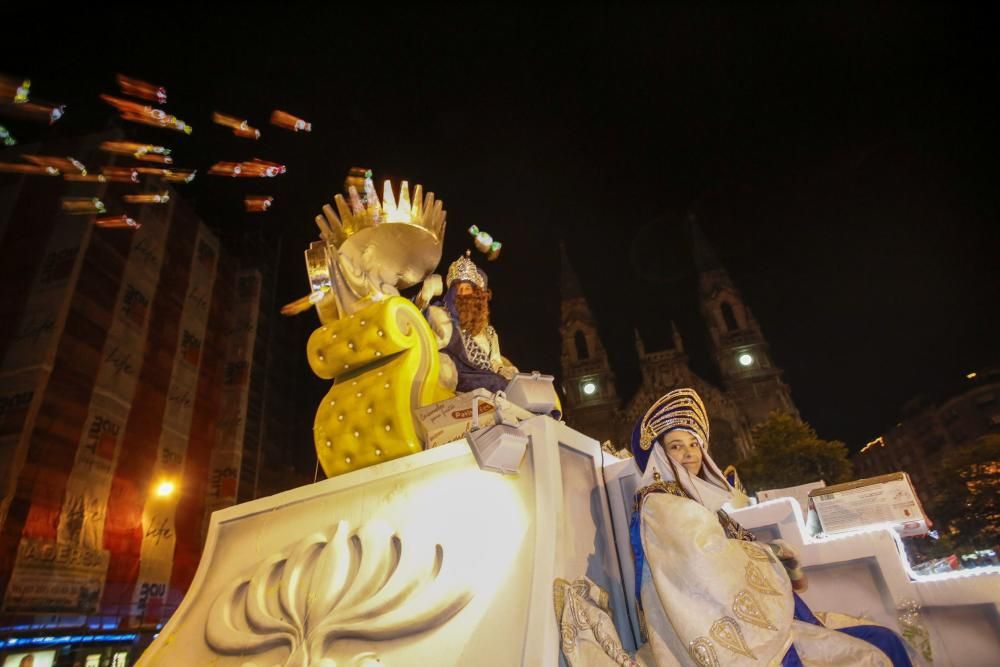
(710,593)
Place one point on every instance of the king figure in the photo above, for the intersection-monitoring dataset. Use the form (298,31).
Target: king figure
(470,346)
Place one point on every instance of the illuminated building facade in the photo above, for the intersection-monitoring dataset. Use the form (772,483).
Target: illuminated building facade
(132,387)
(751,384)
(929,430)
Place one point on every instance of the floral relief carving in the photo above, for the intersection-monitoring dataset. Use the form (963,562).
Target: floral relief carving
(369,583)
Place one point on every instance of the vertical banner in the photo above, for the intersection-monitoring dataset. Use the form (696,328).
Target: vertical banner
(69,574)
(159,513)
(227,455)
(28,360)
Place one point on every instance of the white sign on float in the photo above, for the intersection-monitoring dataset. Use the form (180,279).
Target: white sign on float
(887,499)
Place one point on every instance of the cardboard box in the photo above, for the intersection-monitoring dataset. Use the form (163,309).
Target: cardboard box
(886,499)
(448,420)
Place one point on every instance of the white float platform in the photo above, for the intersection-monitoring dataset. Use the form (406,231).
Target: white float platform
(863,574)
(430,560)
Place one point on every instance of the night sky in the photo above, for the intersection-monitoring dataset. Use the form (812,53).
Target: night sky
(843,162)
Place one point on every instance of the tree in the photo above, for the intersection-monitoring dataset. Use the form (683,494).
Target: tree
(787,452)
(966,497)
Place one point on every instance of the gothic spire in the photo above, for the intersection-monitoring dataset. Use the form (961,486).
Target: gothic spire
(569,284)
(704,255)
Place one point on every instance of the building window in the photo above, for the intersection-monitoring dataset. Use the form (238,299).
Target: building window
(729,317)
(582,352)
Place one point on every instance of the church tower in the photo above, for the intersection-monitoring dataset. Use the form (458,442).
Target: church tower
(749,375)
(588,383)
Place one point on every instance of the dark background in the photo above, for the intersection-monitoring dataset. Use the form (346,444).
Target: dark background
(842,161)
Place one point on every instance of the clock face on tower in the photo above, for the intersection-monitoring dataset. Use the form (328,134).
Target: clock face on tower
(745,359)
(589,388)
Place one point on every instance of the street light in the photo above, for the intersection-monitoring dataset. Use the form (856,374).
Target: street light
(165,488)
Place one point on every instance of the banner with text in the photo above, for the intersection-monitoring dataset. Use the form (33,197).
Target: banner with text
(227,455)
(80,529)
(159,512)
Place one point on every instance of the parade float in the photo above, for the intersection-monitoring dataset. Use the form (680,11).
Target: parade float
(462,546)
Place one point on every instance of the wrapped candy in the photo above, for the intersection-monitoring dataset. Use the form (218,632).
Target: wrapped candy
(287,121)
(485,244)
(82,205)
(121,174)
(14,94)
(141,89)
(300,305)
(86,178)
(66,164)
(225,169)
(255,168)
(139,113)
(913,629)
(239,127)
(6,137)
(34,169)
(147,152)
(171,175)
(147,198)
(257,203)
(258,167)
(14,91)
(117,222)
(179,176)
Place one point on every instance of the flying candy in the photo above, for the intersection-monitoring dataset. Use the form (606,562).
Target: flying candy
(147,198)
(239,127)
(14,95)
(82,205)
(138,113)
(168,174)
(6,137)
(121,174)
(179,176)
(141,89)
(255,168)
(10,168)
(301,304)
(117,222)
(34,111)
(289,122)
(225,169)
(66,164)
(485,243)
(257,203)
(14,91)
(86,178)
(147,152)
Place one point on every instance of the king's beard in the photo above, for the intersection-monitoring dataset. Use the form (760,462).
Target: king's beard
(473,312)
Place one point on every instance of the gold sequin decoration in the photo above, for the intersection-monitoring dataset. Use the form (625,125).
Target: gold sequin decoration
(758,581)
(748,610)
(703,653)
(755,552)
(726,631)
(659,486)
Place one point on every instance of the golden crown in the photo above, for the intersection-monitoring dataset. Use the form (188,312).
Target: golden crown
(359,212)
(680,408)
(464,268)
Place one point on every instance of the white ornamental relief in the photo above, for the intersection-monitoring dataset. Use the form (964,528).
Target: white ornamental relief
(370,583)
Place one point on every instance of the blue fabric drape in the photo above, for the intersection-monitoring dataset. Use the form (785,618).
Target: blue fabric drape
(881,638)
